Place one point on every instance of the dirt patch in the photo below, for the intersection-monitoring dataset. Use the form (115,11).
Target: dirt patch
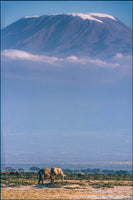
(72,192)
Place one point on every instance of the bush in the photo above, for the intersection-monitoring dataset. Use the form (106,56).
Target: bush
(29,178)
(34,169)
(9,169)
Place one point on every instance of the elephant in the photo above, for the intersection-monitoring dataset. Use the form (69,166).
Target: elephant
(46,173)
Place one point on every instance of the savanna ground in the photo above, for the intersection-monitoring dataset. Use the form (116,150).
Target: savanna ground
(89,186)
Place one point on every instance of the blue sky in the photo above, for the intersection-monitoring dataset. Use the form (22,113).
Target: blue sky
(67,112)
(14,10)
(71,113)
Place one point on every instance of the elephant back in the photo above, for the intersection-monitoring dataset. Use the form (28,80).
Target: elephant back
(56,171)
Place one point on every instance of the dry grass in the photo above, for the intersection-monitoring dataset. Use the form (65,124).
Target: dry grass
(72,189)
(94,187)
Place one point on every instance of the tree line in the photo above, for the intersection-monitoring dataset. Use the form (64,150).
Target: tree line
(67,170)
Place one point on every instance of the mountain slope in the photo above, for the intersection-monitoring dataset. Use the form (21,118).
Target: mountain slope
(95,35)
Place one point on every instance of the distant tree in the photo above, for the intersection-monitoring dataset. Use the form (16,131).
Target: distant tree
(122,172)
(34,169)
(76,171)
(106,171)
(67,170)
(86,171)
(96,171)
(21,169)
(9,169)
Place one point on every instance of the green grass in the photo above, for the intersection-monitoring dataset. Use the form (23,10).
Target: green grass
(74,176)
(31,178)
(13,181)
(72,188)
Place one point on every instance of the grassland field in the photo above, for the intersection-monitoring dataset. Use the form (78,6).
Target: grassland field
(88,186)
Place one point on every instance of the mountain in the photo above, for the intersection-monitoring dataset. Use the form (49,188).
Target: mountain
(95,35)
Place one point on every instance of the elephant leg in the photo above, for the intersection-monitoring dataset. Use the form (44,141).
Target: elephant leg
(52,178)
(63,179)
(43,178)
(39,179)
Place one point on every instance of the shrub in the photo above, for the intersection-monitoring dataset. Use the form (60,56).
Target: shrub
(34,169)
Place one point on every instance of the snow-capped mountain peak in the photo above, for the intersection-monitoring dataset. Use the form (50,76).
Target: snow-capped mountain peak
(31,16)
(92,16)
(102,15)
(94,34)
(84,16)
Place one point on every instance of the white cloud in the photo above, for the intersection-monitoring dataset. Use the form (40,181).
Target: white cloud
(118,61)
(75,59)
(72,58)
(125,62)
(121,56)
(103,63)
(86,60)
(23,55)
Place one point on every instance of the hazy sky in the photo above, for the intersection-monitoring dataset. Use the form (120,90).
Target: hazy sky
(67,112)
(14,10)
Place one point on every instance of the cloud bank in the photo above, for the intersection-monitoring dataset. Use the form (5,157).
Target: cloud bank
(14,54)
(23,55)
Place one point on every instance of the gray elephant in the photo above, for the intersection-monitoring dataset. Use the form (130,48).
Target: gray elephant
(46,173)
